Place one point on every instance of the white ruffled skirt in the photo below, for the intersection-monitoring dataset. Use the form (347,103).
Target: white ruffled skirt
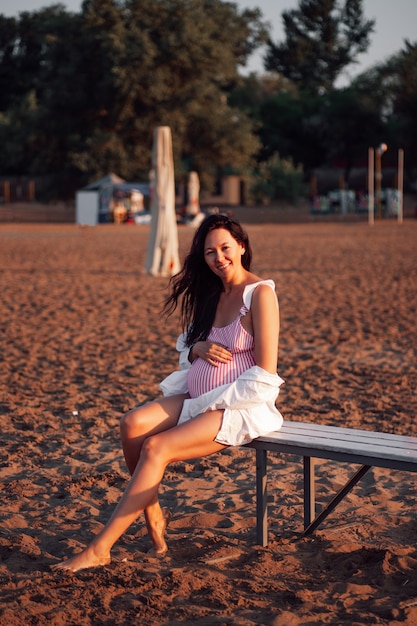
(248,404)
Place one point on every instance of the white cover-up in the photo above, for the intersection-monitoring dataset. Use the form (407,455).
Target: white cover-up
(248,402)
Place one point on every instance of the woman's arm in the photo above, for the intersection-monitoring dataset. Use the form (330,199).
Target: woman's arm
(265,321)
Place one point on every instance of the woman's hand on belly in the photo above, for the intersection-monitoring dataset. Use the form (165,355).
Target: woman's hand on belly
(213,353)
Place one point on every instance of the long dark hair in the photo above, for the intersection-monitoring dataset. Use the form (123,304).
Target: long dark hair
(197,286)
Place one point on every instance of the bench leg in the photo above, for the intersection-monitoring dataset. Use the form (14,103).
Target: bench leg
(309,491)
(261,499)
(337,498)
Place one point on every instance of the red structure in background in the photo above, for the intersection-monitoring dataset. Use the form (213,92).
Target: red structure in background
(17,190)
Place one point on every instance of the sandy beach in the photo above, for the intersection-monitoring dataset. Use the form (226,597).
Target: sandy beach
(82,341)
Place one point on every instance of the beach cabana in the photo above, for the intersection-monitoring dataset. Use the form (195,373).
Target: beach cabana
(93,202)
(96,202)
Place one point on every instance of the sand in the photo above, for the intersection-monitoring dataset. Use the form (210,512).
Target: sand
(82,341)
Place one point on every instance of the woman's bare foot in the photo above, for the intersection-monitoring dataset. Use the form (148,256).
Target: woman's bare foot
(86,559)
(156,532)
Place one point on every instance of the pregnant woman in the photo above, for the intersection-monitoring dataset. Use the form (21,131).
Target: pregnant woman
(224,392)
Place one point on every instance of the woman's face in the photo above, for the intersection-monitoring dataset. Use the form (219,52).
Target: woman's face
(222,253)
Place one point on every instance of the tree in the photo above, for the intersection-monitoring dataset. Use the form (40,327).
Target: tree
(351,122)
(322,38)
(402,122)
(101,80)
(8,67)
(278,179)
(291,124)
(390,89)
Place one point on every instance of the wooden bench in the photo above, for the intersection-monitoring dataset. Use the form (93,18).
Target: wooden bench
(369,449)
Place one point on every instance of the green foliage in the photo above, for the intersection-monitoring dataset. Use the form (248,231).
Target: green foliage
(104,78)
(80,93)
(278,179)
(322,38)
(350,124)
(401,75)
(390,91)
(292,125)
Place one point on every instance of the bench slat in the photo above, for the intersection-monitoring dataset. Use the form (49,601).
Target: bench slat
(339,432)
(359,442)
(315,446)
(336,443)
(341,442)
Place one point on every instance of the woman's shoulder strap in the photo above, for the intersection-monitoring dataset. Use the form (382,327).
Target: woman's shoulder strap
(249,289)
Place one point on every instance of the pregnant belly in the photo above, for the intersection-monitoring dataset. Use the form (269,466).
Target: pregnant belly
(203,377)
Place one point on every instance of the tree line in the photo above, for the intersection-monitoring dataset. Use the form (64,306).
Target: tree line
(80,93)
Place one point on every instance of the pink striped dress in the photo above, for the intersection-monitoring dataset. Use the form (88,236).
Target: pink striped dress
(203,377)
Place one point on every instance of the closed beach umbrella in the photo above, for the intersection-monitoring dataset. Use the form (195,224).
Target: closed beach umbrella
(193,206)
(162,257)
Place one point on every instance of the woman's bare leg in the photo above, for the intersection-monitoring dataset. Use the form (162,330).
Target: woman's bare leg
(157,520)
(190,440)
(135,427)
(144,421)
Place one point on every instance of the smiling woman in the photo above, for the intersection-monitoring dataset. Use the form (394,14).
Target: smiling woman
(225,391)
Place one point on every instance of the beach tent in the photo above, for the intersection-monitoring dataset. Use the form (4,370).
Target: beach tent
(93,202)
(162,253)
(109,180)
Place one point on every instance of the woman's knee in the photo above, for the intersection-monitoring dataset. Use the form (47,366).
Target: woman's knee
(153,449)
(149,419)
(132,423)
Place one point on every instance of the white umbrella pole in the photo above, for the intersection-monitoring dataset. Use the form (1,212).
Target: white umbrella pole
(371,199)
(400,184)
